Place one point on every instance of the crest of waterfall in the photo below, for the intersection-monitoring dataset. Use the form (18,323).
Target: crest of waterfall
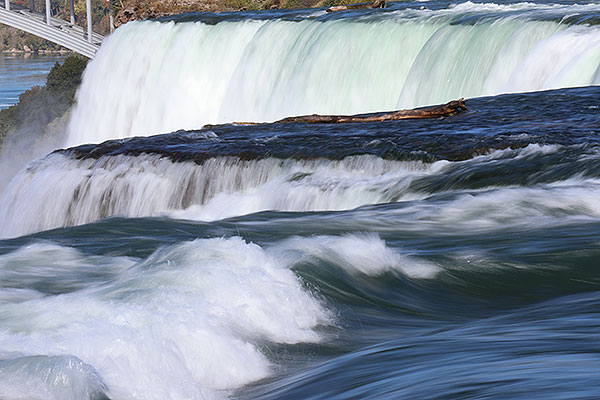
(155,77)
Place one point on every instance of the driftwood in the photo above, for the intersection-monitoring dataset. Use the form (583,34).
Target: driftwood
(375,4)
(445,110)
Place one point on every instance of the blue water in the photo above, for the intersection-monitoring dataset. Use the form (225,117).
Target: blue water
(453,258)
(20,72)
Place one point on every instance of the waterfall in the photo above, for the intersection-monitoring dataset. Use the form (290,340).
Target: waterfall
(155,77)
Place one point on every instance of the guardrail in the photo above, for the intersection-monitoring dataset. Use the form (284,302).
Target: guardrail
(64,33)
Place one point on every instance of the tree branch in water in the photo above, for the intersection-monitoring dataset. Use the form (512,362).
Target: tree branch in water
(445,110)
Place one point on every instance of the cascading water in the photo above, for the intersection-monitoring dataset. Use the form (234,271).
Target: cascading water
(219,188)
(438,258)
(157,77)
(225,187)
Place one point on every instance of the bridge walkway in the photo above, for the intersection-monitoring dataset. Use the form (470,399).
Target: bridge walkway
(64,33)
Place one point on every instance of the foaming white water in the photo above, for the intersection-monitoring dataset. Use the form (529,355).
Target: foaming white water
(365,254)
(184,323)
(49,377)
(59,191)
(493,209)
(533,206)
(152,77)
(36,266)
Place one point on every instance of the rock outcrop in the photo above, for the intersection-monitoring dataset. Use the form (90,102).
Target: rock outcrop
(375,4)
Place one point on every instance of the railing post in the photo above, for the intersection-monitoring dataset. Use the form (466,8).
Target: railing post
(88,6)
(111,18)
(72,11)
(7,4)
(48,12)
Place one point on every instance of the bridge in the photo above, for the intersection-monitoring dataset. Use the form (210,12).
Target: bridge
(64,33)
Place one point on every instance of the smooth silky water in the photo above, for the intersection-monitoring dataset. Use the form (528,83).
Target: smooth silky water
(447,258)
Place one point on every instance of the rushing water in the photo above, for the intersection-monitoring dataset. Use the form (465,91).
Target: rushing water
(448,258)
(19,72)
(277,64)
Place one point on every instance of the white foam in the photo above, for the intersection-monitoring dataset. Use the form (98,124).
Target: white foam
(495,209)
(189,321)
(47,267)
(184,323)
(53,378)
(530,150)
(356,253)
(59,191)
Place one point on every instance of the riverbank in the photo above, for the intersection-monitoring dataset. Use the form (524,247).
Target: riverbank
(147,9)
(41,105)
(13,40)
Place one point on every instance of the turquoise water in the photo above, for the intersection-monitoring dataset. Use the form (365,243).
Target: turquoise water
(20,72)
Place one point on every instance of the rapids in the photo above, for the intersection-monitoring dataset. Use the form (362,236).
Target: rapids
(449,258)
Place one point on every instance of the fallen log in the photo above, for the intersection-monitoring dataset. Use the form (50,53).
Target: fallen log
(445,110)
(375,4)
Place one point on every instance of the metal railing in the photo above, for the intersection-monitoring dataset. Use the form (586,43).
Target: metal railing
(64,33)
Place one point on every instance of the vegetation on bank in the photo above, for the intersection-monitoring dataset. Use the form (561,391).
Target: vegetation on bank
(14,40)
(39,106)
(129,10)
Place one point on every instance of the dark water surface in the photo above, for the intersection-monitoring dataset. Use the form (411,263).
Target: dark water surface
(473,274)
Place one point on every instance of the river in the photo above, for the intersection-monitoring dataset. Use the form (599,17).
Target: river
(20,72)
(157,257)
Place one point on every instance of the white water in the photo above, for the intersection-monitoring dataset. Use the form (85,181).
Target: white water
(189,321)
(357,254)
(152,77)
(184,323)
(59,191)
